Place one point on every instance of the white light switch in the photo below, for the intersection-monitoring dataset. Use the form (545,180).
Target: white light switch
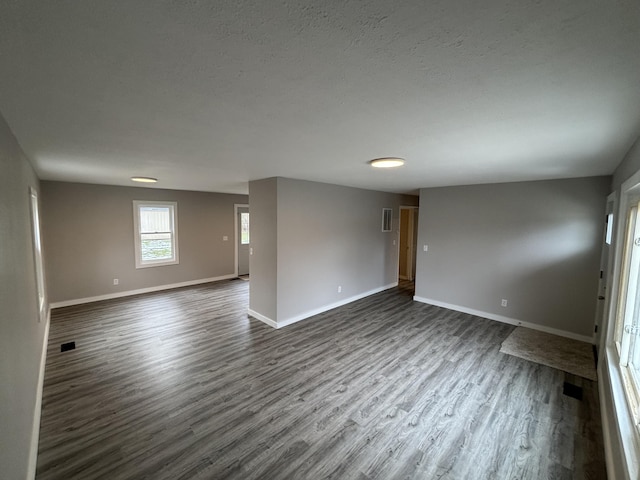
(250,250)
(425,248)
(225,238)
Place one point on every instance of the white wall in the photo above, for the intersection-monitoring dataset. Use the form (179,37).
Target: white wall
(327,236)
(535,244)
(22,336)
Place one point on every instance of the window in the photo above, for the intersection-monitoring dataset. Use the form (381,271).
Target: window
(244,228)
(156,233)
(609,234)
(627,325)
(37,253)
(386,219)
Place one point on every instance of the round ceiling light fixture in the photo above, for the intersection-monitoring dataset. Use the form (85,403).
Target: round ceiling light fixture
(144,179)
(387,162)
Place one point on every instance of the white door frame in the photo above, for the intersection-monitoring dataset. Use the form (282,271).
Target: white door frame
(236,206)
(606,273)
(411,254)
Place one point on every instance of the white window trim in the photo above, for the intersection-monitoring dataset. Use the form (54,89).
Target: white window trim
(136,233)
(623,417)
(624,405)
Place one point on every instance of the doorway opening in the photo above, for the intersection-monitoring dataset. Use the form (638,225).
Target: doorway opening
(407,247)
(242,241)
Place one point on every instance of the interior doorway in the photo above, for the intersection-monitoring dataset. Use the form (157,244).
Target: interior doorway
(243,239)
(408,241)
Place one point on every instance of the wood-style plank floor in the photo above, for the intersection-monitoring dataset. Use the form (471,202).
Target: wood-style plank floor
(183,385)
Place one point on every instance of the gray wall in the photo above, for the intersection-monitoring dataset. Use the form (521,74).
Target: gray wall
(88,232)
(263,267)
(22,341)
(629,165)
(326,236)
(536,244)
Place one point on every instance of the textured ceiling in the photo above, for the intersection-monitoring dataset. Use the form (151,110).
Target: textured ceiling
(209,95)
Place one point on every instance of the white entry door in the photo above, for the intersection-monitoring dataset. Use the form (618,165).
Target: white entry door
(605,272)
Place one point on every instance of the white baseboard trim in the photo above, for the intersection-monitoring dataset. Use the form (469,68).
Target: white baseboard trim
(316,311)
(324,308)
(510,321)
(262,318)
(128,293)
(35,429)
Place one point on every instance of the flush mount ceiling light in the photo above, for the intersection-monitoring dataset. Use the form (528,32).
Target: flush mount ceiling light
(144,179)
(387,162)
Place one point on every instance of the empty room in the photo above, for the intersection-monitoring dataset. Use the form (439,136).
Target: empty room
(305,240)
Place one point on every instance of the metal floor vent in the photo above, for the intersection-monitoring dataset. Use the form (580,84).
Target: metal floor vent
(572,391)
(65,347)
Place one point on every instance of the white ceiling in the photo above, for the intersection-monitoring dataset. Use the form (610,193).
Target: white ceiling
(209,95)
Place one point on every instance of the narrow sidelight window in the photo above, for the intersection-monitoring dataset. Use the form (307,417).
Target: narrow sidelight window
(37,254)
(244,228)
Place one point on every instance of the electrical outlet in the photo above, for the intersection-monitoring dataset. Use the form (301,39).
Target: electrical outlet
(339,288)
(504,302)
(425,248)
(116,281)
(225,238)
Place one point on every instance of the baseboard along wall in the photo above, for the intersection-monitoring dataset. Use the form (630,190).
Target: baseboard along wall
(37,410)
(503,319)
(316,311)
(128,293)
